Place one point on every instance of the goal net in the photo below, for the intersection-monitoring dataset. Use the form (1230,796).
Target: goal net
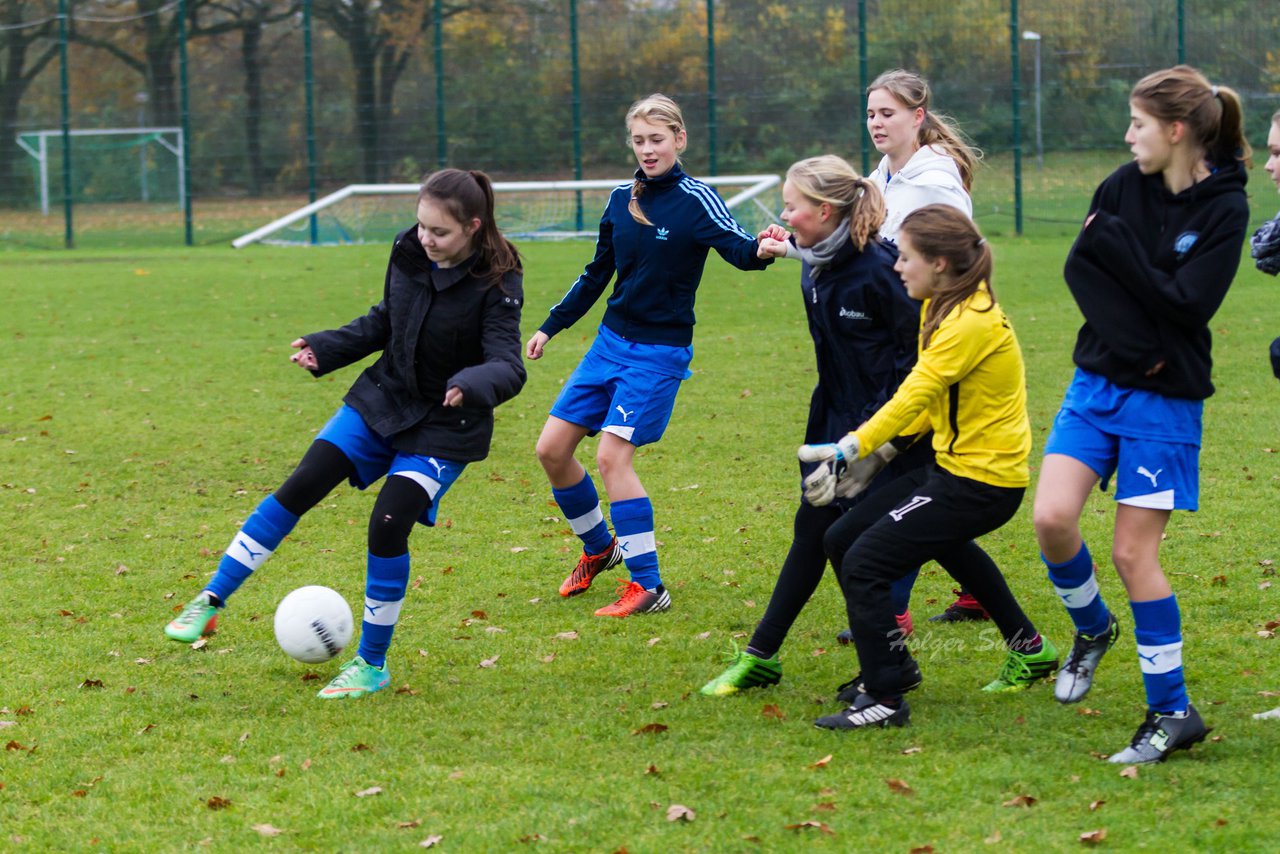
(109,164)
(375,213)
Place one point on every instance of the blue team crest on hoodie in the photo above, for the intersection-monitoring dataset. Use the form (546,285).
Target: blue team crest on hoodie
(1185,241)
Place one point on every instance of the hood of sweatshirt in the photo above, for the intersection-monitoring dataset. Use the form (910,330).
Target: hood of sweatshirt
(927,166)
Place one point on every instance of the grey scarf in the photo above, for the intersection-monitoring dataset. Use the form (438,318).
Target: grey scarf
(819,255)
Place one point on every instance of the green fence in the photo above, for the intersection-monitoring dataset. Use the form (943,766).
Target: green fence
(282,101)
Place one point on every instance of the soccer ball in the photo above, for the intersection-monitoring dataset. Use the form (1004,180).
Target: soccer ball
(313,624)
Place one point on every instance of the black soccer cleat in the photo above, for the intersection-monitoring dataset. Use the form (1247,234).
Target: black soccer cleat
(1160,735)
(909,679)
(865,713)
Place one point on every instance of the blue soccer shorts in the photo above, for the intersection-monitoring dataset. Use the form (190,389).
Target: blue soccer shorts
(374,457)
(1148,473)
(632,403)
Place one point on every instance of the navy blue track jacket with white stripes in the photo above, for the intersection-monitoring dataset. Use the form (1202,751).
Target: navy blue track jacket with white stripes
(659,266)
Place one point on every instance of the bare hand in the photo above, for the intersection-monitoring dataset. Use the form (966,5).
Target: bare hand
(770,248)
(534,348)
(305,357)
(773,231)
(453,397)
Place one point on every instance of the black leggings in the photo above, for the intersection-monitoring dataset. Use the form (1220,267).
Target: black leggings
(801,572)
(928,514)
(323,467)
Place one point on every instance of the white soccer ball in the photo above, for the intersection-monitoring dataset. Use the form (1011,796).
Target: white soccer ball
(313,624)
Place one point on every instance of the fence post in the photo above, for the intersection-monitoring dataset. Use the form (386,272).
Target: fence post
(1182,32)
(711,84)
(68,236)
(186,120)
(864,139)
(442,141)
(308,78)
(576,98)
(1015,36)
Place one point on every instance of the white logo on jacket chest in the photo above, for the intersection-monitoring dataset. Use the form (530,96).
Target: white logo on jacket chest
(853,314)
(662,233)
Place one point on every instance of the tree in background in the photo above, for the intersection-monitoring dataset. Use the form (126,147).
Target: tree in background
(28,42)
(382,36)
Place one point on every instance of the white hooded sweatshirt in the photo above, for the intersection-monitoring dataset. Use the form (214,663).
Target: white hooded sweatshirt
(930,177)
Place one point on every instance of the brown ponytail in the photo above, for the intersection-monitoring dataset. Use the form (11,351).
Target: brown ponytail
(941,231)
(1213,114)
(467,196)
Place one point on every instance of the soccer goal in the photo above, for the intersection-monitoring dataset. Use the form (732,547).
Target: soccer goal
(104,149)
(373,213)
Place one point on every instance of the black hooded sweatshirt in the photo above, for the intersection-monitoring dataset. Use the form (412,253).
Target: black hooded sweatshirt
(1148,273)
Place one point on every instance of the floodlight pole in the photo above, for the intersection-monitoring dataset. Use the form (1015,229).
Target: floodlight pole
(1016,99)
(308,85)
(1031,36)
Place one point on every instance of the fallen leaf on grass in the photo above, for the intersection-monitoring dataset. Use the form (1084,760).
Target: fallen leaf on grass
(1096,805)
(899,786)
(356,749)
(651,729)
(819,651)
(4,724)
(771,710)
(480,615)
(489,662)
(91,683)
(653,769)
(803,825)
(1019,801)
(456,775)
(652,641)
(567,636)
(404,825)
(703,635)
(1130,771)
(825,806)
(200,644)
(993,838)
(1088,712)
(547,659)
(430,842)
(217,803)
(1093,837)
(372,790)
(823,762)
(922,849)
(910,750)
(267,830)
(679,812)
(532,837)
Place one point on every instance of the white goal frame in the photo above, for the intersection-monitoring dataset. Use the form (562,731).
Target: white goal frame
(41,153)
(754,185)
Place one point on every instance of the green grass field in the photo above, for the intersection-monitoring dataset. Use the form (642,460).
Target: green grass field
(147,405)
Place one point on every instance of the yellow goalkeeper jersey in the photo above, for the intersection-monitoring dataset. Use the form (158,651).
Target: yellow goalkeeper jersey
(969,386)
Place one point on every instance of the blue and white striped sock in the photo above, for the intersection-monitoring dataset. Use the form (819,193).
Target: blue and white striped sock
(580,504)
(633,520)
(1157,627)
(262,533)
(1076,584)
(384,587)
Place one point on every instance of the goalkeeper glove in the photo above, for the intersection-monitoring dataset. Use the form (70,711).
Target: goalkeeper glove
(860,473)
(833,461)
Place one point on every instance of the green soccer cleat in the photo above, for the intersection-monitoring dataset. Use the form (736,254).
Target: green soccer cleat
(357,678)
(198,618)
(1022,668)
(745,671)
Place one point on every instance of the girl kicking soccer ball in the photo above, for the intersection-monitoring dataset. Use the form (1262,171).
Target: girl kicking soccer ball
(448,328)
(969,386)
